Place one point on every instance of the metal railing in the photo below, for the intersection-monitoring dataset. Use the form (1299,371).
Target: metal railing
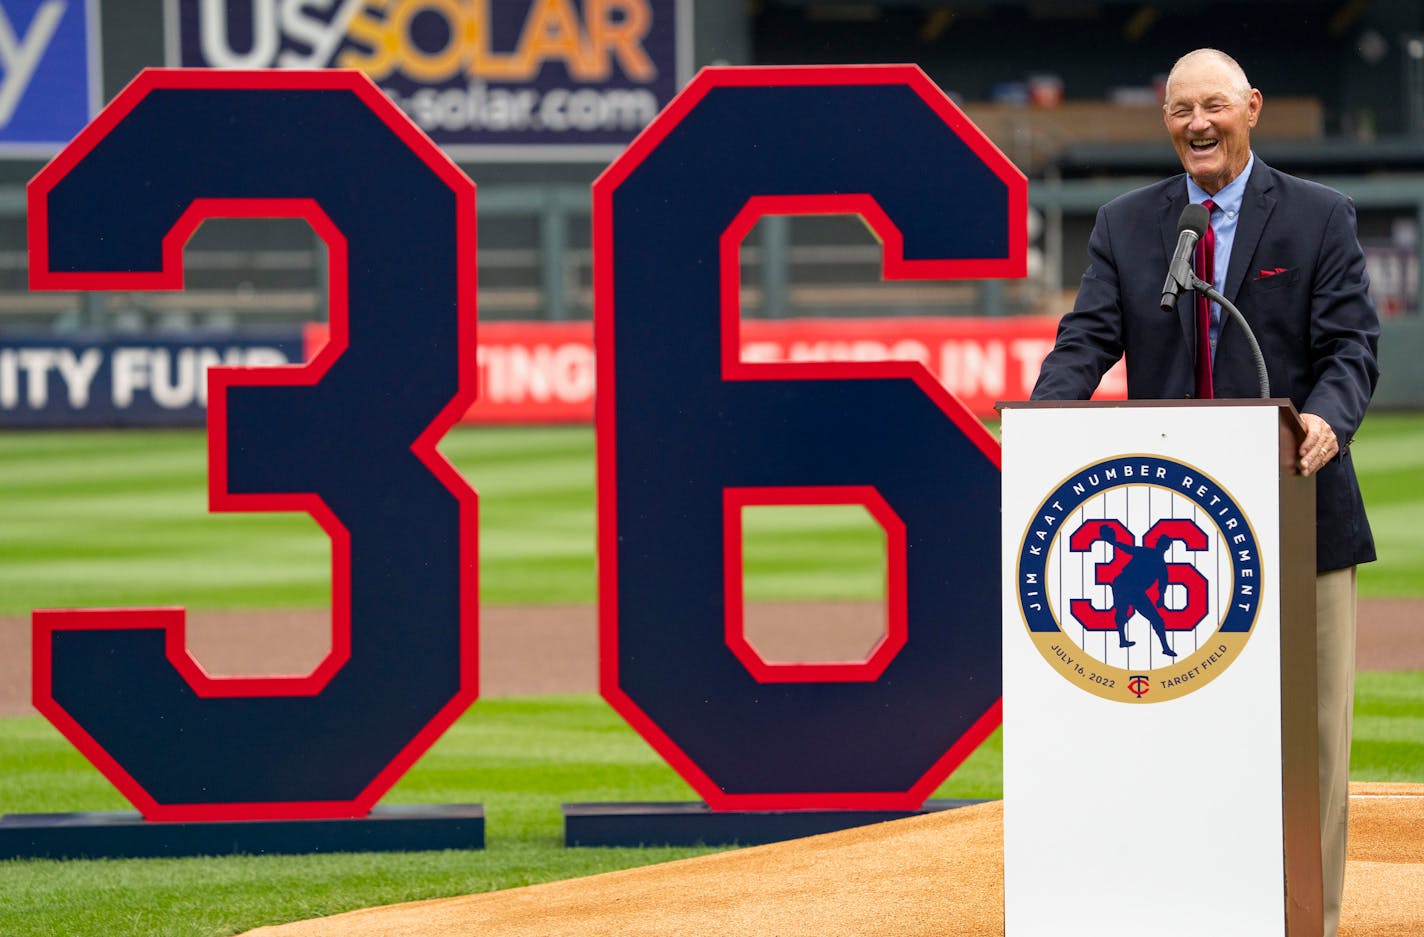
(538,265)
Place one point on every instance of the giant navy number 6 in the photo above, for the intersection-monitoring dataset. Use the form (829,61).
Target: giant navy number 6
(349,438)
(685,428)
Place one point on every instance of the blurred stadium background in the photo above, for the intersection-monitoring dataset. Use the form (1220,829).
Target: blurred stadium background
(1069,91)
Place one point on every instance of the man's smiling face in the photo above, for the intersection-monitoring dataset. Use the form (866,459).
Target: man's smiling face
(1209,113)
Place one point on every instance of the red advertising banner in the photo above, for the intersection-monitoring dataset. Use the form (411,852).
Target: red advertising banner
(543,372)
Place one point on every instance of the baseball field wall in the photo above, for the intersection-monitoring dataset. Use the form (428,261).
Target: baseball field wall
(531,372)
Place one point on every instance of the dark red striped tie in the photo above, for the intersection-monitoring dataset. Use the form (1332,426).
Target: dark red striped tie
(1205,267)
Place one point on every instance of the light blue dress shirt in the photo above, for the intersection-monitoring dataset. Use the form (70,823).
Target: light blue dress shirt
(1223,222)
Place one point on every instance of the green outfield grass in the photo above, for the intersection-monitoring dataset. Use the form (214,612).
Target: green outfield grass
(119,518)
(521,758)
(1389,457)
(1388,742)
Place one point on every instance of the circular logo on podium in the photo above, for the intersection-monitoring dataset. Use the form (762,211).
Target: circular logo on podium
(1139,579)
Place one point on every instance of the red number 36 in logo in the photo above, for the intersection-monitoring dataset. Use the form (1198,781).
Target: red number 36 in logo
(1177,615)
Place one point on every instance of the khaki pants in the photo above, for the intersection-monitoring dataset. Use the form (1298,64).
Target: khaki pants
(1335,660)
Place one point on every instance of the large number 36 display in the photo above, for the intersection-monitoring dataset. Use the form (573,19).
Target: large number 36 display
(349,438)
(687,434)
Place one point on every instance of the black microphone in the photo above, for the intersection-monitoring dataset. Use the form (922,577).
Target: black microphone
(1190,226)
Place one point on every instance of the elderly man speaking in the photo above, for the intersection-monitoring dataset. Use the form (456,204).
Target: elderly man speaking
(1284,250)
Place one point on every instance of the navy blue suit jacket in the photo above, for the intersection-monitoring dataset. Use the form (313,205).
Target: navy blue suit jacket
(1297,274)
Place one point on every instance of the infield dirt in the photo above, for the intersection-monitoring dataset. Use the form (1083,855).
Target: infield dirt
(940,875)
(538,650)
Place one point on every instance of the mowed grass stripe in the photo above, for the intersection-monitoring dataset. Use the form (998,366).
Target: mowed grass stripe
(46,445)
(121,518)
(537,526)
(787,553)
(100,455)
(101,472)
(1389,440)
(1389,457)
(1389,727)
(1393,487)
(1399,541)
(494,444)
(106,518)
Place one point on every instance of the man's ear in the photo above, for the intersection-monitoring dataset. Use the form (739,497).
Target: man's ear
(1253,106)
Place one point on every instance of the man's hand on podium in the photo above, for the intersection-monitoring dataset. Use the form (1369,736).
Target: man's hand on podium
(1320,445)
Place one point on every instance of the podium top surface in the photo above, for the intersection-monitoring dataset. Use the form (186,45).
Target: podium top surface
(1283,402)
(1292,431)
(1290,419)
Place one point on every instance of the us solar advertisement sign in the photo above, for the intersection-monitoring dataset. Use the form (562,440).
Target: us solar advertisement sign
(516,79)
(49,73)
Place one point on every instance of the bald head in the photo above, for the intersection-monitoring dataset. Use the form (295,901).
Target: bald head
(1215,60)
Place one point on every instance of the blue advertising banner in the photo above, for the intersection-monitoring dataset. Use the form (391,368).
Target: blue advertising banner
(517,79)
(49,73)
(130,381)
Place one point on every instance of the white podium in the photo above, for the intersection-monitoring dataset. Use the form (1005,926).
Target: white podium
(1160,768)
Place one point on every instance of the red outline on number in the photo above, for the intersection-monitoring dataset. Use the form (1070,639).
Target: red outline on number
(869,668)
(170,277)
(894,266)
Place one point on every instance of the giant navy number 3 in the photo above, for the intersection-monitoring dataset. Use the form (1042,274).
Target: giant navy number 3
(688,434)
(349,438)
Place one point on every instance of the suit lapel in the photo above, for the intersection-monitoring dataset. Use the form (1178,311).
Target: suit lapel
(1256,208)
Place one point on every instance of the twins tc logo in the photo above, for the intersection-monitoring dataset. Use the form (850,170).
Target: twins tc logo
(1139,578)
